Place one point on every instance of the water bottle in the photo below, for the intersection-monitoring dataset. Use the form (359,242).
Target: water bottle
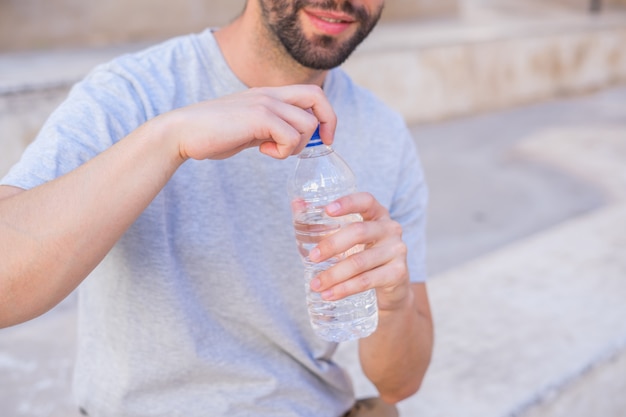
(321,176)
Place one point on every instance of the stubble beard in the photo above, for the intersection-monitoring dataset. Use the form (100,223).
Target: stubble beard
(321,52)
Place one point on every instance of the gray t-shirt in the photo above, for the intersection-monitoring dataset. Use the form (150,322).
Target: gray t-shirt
(199,309)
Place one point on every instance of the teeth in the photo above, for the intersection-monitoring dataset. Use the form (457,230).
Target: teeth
(329,20)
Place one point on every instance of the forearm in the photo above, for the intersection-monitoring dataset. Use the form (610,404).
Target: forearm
(396,356)
(52,236)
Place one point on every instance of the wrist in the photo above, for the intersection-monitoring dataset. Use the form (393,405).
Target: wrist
(163,134)
(397,301)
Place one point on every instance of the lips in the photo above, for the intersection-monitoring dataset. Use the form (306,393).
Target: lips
(330,23)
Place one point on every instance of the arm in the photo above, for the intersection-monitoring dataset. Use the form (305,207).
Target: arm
(396,356)
(52,236)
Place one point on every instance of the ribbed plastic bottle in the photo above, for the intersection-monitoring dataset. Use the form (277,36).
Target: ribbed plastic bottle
(322,176)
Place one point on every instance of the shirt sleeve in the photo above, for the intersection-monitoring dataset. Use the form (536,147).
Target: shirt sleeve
(98,112)
(409,206)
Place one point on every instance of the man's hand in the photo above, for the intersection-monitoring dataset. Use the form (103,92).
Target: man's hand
(395,357)
(278,120)
(382,265)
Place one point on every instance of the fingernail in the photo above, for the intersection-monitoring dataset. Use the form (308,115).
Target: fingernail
(315,254)
(333,208)
(327,295)
(316,284)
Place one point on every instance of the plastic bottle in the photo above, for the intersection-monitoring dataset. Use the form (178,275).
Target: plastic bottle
(322,176)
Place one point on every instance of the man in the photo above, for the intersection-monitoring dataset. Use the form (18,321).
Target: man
(143,179)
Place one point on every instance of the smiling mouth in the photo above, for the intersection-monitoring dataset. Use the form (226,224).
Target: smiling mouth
(332,17)
(330,23)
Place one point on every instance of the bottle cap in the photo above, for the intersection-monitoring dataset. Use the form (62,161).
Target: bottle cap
(315,139)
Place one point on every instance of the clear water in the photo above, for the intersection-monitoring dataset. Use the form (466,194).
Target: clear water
(342,320)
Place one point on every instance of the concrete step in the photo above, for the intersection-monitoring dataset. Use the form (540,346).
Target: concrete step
(527,328)
(537,328)
(36,365)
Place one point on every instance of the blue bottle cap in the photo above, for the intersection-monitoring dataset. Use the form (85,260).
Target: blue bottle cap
(315,139)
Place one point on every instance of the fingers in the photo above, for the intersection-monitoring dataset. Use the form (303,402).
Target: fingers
(310,97)
(296,111)
(372,234)
(382,268)
(362,203)
(375,268)
(382,265)
(376,226)
(289,130)
(278,120)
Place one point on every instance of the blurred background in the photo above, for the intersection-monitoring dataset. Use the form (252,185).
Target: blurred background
(518,108)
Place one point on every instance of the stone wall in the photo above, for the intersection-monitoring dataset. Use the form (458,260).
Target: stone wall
(586,4)
(616,3)
(469,70)
(488,10)
(37,24)
(398,10)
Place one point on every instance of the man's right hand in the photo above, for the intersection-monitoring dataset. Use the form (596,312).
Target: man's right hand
(278,120)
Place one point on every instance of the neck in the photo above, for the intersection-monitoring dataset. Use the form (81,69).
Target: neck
(258,59)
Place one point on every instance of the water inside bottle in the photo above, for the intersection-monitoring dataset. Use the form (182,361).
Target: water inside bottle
(313,226)
(342,320)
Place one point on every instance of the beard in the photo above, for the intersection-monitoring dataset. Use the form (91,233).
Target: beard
(321,52)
